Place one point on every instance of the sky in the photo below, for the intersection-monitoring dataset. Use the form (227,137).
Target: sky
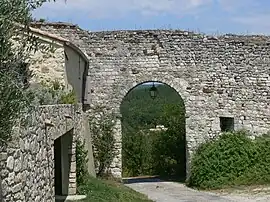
(213,17)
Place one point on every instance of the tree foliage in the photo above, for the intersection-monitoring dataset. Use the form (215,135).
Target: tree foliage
(81,163)
(231,159)
(153,153)
(16,42)
(51,93)
(102,131)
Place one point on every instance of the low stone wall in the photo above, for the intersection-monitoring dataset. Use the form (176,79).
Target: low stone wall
(27,163)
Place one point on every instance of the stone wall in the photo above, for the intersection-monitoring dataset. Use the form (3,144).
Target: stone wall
(27,163)
(226,76)
(48,62)
(57,59)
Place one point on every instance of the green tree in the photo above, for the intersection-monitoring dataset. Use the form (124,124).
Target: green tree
(16,42)
(153,153)
(169,149)
(104,143)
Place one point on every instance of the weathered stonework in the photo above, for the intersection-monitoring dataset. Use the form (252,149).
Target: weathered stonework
(226,76)
(27,163)
(46,60)
(57,59)
(48,66)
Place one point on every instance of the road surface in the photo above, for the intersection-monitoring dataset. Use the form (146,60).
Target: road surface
(161,191)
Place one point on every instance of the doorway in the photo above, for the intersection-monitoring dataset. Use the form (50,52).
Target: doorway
(62,163)
(57,167)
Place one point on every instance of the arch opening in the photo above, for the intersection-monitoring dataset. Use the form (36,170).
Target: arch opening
(153,132)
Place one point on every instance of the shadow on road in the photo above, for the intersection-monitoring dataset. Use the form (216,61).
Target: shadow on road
(144,179)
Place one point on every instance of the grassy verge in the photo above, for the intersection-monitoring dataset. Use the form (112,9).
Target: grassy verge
(98,190)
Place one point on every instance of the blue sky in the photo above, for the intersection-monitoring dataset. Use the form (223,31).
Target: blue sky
(207,16)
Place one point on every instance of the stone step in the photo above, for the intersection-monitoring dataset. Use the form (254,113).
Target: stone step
(69,198)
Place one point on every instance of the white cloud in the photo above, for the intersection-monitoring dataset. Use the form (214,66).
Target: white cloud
(117,8)
(248,14)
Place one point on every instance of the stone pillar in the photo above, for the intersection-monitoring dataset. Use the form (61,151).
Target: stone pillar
(68,163)
(116,167)
(72,172)
(88,146)
(64,163)
(3,159)
(190,142)
(188,161)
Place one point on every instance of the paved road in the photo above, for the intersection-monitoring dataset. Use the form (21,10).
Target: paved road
(175,192)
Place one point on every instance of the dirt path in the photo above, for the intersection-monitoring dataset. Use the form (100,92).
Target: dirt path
(175,192)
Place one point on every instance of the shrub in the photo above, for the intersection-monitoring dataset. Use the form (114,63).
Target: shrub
(169,153)
(259,172)
(81,163)
(104,143)
(156,153)
(51,93)
(137,151)
(68,98)
(231,159)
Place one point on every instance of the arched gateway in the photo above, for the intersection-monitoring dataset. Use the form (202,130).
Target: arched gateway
(223,81)
(153,131)
(178,87)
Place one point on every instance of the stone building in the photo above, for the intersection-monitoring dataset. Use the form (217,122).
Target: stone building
(39,164)
(224,81)
(61,61)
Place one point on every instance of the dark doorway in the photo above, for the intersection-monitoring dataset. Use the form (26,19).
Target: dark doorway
(57,167)
(62,163)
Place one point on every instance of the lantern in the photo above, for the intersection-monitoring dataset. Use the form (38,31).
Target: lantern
(153,91)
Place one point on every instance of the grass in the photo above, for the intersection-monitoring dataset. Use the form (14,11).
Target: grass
(98,190)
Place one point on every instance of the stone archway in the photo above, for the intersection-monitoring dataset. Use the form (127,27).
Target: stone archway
(180,86)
